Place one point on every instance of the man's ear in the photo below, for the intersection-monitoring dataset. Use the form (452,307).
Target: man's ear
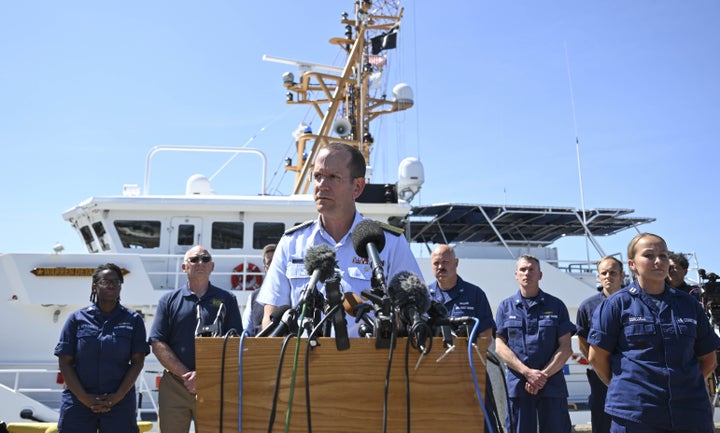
(358,187)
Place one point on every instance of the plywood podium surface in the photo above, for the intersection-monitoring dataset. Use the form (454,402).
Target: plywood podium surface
(347,388)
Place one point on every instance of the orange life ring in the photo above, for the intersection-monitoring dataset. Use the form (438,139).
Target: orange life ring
(251,281)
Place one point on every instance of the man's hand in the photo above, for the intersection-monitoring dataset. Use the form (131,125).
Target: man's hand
(531,389)
(189,381)
(536,378)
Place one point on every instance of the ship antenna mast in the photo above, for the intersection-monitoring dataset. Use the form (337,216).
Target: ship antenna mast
(341,96)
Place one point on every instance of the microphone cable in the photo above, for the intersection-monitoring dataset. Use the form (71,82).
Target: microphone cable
(407,383)
(243,336)
(393,338)
(231,333)
(288,414)
(478,392)
(273,408)
(309,346)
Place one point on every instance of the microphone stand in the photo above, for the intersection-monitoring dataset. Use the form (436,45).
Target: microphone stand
(384,318)
(310,298)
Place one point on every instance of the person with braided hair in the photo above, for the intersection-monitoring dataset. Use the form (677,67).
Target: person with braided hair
(101,352)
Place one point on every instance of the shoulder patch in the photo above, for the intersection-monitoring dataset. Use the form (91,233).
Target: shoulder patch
(397,231)
(299,226)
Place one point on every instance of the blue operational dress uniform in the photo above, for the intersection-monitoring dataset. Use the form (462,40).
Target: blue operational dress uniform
(101,348)
(176,319)
(654,344)
(531,327)
(599,419)
(286,277)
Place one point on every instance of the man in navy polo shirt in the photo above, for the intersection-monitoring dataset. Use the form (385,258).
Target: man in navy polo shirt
(179,314)
(462,298)
(533,338)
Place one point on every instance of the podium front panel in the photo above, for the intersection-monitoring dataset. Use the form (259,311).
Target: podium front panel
(347,388)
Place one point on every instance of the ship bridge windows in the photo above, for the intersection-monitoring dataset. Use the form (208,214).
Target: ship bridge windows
(138,234)
(227,235)
(267,233)
(102,235)
(87,236)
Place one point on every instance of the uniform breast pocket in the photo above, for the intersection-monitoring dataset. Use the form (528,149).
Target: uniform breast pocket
(359,274)
(122,342)
(296,271)
(640,335)
(547,328)
(688,330)
(87,337)
(514,329)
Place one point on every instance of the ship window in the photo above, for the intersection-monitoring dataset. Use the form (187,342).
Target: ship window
(226,235)
(138,234)
(88,239)
(101,235)
(186,234)
(267,233)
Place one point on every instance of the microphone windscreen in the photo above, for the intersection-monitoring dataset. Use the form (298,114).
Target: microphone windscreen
(365,232)
(320,257)
(406,288)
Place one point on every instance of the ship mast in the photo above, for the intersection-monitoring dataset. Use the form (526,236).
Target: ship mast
(342,96)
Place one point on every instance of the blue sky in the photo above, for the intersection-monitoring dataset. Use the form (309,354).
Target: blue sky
(87,88)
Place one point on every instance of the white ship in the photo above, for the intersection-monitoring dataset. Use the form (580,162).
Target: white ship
(147,234)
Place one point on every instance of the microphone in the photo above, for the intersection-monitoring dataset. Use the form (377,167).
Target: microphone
(439,318)
(275,317)
(199,320)
(215,328)
(410,297)
(368,241)
(335,299)
(320,264)
(287,325)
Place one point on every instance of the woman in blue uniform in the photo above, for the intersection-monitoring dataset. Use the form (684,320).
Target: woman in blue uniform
(101,352)
(653,346)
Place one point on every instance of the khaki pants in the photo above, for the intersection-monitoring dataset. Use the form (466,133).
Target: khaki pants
(177,405)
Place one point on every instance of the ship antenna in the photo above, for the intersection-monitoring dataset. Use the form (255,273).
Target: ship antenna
(577,153)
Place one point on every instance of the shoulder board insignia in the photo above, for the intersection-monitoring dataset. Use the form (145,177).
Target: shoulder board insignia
(397,231)
(299,226)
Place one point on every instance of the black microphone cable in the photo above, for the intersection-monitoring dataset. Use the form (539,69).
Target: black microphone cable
(243,336)
(393,337)
(407,384)
(288,414)
(273,408)
(308,346)
(231,333)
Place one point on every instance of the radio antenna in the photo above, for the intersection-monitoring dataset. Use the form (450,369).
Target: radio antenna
(577,153)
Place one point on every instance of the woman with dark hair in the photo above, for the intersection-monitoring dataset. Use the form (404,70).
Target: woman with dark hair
(653,346)
(101,352)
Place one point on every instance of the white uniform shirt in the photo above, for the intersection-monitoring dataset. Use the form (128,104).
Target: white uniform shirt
(286,278)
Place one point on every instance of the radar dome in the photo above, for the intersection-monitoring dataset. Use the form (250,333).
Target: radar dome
(411,176)
(403,96)
(198,184)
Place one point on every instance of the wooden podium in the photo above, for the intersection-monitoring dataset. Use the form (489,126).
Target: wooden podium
(346,387)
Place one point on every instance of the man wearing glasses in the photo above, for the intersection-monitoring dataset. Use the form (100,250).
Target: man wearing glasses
(339,179)
(180,314)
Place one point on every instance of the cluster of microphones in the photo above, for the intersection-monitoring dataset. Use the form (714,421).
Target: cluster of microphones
(401,308)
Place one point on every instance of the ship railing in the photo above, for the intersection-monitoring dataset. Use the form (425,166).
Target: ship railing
(49,396)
